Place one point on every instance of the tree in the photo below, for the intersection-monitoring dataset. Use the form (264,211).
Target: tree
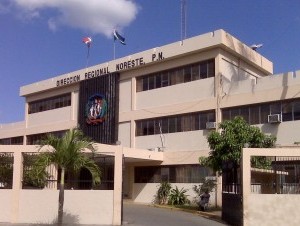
(66,153)
(227,145)
(207,185)
(6,170)
(163,192)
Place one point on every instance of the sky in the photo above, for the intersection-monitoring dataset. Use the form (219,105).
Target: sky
(41,39)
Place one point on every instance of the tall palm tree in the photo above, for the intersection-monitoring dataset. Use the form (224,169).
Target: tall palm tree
(66,153)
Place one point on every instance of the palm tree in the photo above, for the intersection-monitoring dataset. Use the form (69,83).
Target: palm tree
(66,153)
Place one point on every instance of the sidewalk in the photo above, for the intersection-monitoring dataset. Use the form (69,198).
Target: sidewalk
(213,215)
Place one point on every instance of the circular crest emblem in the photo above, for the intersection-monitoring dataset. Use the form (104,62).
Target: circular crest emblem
(96,109)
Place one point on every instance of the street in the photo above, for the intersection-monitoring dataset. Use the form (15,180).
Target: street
(144,215)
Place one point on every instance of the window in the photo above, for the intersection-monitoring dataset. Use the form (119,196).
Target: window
(211,68)
(145,83)
(254,115)
(287,111)
(176,123)
(186,123)
(171,174)
(36,138)
(264,112)
(225,114)
(245,113)
(296,106)
(158,81)
(164,79)
(203,70)
(150,128)
(151,82)
(12,141)
(275,108)
(172,125)
(188,73)
(195,72)
(258,114)
(49,103)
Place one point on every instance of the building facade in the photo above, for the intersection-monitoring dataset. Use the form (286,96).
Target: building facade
(166,99)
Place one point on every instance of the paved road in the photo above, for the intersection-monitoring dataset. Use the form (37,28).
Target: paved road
(143,215)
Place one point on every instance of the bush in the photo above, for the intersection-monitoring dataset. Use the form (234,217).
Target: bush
(207,185)
(163,192)
(178,197)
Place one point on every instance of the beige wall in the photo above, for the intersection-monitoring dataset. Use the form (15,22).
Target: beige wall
(268,209)
(273,210)
(125,134)
(181,93)
(5,205)
(49,117)
(192,140)
(12,129)
(146,193)
(40,206)
(125,95)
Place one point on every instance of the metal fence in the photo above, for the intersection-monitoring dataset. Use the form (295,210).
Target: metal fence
(82,180)
(281,175)
(6,170)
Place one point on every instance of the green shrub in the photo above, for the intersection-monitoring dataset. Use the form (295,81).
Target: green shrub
(178,197)
(163,192)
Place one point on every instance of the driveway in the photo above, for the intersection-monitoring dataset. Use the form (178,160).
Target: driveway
(144,215)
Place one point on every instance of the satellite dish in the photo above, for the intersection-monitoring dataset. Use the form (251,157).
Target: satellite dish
(256,46)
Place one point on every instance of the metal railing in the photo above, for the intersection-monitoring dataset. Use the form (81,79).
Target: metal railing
(6,170)
(82,180)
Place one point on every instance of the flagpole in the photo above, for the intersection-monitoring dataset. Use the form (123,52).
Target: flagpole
(114,50)
(87,57)
(87,41)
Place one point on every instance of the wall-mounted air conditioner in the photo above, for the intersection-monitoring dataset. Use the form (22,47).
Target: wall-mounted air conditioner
(211,125)
(275,118)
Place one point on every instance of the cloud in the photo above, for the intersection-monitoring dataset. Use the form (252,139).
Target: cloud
(4,7)
(95,16)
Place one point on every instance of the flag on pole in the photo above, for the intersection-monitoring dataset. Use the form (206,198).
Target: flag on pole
(87,41)
(117,36)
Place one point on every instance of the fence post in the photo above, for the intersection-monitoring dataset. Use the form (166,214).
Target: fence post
(17,186)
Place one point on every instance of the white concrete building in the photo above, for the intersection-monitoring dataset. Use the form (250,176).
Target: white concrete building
(166,99)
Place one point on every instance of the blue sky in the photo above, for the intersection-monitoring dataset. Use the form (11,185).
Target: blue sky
(42,39)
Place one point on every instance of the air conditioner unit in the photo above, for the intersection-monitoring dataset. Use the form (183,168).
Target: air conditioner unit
(275,118)
(211,125)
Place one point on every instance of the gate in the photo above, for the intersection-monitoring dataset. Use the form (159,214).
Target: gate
(232,207)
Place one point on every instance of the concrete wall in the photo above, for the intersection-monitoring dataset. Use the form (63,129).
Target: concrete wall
(273,210)
(185,92)
(268,209)
(80,207)
(287,133)
(125,95)
(12,129)
(50,117)
(5,205)
(40,206)
(146,193)
(192,140)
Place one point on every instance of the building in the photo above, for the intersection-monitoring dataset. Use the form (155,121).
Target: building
(166,99)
